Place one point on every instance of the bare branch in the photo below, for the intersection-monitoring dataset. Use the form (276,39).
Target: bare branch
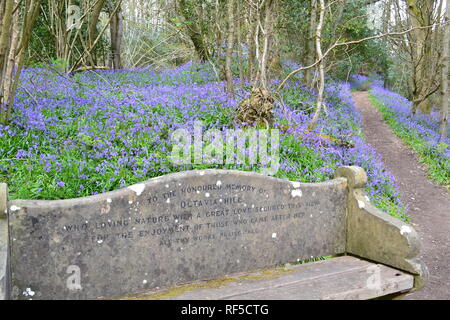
(335,45)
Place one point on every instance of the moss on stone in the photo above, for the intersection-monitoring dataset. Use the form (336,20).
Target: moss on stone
(266,274)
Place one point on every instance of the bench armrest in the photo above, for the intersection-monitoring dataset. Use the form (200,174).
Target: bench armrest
(377,236)
(4,248)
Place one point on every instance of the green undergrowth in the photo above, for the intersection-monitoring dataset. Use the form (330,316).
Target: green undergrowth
(429,154)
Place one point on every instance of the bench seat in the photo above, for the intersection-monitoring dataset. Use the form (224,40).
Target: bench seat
(344,277)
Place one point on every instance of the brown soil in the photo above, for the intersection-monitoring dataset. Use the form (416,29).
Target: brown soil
(429,203)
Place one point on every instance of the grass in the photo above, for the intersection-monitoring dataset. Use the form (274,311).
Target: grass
(431,155)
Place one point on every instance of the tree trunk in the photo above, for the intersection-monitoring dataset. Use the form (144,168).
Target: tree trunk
(262,57)
(92,28)
(57,27)
(219,33)
(16,49)
(239,40)
(268,26)
(420,17)
(310,49)
(5,35)
(444,76)
(116,39)
(193,31)
(11,63)
(252,25)
(230,46)
(319,54)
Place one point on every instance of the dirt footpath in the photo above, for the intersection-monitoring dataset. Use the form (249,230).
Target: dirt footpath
(429,203)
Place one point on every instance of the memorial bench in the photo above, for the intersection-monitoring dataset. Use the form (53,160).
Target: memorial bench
(210,234)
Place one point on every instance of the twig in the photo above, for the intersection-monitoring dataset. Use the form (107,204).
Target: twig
(29,93)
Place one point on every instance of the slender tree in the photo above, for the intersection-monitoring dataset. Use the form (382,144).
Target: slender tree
(93,18)
(116,32)
(424,53)
(18,19)
(7,17)
(310,43)
(230,46)
(444,75)
(186,9)
(318,39)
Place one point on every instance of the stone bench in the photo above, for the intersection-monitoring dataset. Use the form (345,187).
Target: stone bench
(211,234)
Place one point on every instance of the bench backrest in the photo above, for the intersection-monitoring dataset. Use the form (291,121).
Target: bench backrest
(169,230)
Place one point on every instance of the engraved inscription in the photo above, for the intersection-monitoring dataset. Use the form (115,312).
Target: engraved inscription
(204,213)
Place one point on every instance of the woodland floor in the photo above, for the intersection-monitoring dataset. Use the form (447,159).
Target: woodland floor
(429,203)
